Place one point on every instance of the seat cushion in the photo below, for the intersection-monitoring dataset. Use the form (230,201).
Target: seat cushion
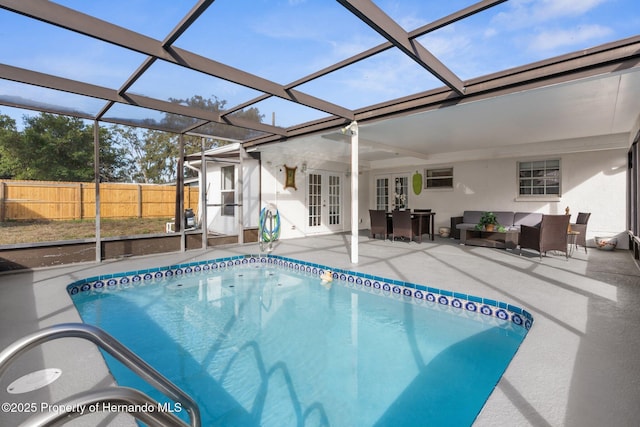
(504,218)
(531,219)
(471,217)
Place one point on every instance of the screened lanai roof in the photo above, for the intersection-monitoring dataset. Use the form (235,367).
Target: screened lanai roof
(309,67)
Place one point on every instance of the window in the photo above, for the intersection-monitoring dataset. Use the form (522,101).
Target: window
(539,178)
(228,191)
(438,178)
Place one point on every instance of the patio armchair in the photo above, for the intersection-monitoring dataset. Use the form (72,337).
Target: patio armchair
(379,223)
(403,225)
(551,235)
(581,226)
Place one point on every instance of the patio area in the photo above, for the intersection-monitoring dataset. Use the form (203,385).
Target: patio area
(578,365)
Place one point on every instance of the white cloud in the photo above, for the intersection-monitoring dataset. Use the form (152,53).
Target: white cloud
(550,40)
(490,32)
(528,13)
(410,22)
(443,46)
(549,9)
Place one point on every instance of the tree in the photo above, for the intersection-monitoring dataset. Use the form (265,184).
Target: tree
(60,148)
(132,142)
(156,152)
(9,137)
(57,148)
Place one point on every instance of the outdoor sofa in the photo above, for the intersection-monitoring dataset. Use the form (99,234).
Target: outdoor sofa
(511,221)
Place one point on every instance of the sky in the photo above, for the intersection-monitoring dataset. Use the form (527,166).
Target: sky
(283,41)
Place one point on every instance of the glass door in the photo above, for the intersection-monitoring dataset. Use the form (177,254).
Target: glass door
(382,194)
(392,192)
(314,200)
(401,192)
(324,201)
(334,201)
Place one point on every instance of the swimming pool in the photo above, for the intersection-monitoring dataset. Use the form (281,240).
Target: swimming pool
(259,340)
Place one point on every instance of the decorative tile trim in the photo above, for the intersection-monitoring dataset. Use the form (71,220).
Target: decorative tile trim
(387,287)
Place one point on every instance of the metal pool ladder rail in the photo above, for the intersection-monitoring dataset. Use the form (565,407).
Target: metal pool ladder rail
(124,397)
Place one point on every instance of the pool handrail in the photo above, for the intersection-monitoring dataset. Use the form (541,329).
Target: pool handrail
(111,346)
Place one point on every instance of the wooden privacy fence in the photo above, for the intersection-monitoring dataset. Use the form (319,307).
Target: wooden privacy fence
(29,200)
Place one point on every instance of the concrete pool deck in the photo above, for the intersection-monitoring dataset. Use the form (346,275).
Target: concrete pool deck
(578,366)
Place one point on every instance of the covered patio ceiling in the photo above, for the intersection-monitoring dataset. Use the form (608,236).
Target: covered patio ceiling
(581,100)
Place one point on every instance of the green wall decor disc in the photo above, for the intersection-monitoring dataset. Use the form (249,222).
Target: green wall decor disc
(417,183)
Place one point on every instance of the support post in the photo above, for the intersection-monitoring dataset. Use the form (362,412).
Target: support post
(203,196)
(355,216)
(139,200)
(179,224)
(240,194)
(96,177)
(79,201)
(3,203)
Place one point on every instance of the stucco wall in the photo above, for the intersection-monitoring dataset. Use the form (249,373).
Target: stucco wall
(292,203)
(591,182)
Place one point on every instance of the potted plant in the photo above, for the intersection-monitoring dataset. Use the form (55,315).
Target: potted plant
(488,221)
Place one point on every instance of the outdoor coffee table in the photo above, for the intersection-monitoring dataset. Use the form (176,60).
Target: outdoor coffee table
(507,239)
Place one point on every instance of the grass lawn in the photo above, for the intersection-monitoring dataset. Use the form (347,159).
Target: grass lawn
(12,232)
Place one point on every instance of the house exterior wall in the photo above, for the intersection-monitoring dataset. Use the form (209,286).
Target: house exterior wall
(592,181)
(292,203)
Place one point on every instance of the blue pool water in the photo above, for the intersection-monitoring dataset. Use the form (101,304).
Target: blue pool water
(262,344)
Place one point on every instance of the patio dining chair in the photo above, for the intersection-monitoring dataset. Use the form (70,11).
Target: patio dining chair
(403,225)
(581,226)
(378,223)
(550,236)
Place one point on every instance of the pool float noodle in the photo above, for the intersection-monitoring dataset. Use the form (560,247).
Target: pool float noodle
(269,224)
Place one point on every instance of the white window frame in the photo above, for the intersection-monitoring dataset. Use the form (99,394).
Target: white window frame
(545,169)
(428,181)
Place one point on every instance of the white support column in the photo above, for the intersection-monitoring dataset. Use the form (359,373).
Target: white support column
(355,216)
(240,193)
(203,195)
(96,177)
(179,224)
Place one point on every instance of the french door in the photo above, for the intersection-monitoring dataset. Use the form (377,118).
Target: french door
(324,201)
(392,191)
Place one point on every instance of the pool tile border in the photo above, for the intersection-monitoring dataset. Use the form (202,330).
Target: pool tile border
(395,288)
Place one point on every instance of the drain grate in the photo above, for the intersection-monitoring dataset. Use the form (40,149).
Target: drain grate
(34,380)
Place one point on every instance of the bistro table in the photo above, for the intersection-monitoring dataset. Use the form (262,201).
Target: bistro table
(421,217)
